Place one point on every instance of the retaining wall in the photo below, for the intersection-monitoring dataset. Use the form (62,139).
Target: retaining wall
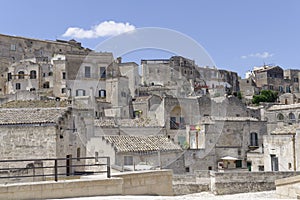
(240,182)
(288,188)
(146,183)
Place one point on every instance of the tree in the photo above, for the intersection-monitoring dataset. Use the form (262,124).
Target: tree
(265,96)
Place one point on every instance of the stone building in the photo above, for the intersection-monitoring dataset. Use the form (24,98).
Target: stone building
(14,49)
(44,129)
(219,137)
(248,88)
(289,98)
(145,106)
(293,75)
(280,115)
(131,71)
(281,149)
(29,75)
(182,77)
(137,152)
(270,78)
(87,73)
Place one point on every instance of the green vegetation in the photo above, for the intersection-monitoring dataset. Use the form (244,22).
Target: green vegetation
(239,95)
(265,96)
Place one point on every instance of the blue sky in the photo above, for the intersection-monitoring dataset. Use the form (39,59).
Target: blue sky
(237,34)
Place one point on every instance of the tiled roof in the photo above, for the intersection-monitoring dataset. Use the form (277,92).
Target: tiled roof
(34,104)
(127,143)
(139,122)
(30,115)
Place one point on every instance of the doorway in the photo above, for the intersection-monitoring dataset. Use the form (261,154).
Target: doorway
(69,165)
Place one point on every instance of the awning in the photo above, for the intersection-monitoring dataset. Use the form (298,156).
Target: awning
(228,158)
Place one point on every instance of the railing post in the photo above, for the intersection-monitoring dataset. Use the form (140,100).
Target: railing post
(108,167)
(55,170)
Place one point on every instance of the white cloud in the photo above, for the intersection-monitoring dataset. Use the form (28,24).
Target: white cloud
(104,29)
(258,55)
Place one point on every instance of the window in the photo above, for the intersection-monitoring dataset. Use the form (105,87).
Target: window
(128,160)
(87,72)
(50,74)
(274,162)
(261,168)
(18,86)
(78,154)
(46,85)
(292,117)
(296,80)
(9,76)
(12,47)
(187,169)
(21,74)
(253,140)
(123,94)
(102,72)
(64,75)
(238,163)
(280,117)
(80,92)
(32,89)
(173,123)
(280,88)
(239,152)
(32,74)
(181,123)
(63,90)
(102,93)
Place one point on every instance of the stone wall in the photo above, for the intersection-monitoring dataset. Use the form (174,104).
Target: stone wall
(25,142)
(191,183)
(240,182)
(61,189)
(32,169)
(288,188)
(136,183)
(147,183)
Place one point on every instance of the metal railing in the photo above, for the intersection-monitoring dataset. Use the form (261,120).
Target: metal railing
(54,167)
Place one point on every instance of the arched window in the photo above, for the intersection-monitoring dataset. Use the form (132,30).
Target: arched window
(21,74)
(32,74)
(292,117)
(280,117)
(253,139)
